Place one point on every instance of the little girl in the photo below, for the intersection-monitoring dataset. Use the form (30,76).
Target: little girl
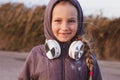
(65,54)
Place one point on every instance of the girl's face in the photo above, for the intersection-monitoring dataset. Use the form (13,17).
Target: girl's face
(64,21)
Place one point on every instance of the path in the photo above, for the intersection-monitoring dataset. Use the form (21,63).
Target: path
(11,64)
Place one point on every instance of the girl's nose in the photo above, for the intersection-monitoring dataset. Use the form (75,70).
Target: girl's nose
(65,26)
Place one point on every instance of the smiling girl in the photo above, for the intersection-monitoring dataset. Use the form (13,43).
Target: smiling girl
(65,54)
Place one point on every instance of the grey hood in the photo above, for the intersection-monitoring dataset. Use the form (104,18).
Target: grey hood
(48,15)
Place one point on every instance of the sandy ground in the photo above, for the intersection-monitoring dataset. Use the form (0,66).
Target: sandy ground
(11,64)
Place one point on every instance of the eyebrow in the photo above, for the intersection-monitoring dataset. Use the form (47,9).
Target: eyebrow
(72,18)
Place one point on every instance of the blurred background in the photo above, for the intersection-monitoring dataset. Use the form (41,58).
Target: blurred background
(21,25)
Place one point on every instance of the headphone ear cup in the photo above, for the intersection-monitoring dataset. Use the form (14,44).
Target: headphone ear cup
(52,48)
(76,50)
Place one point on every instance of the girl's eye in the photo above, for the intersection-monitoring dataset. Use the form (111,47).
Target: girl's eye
(71,21)
(58,21)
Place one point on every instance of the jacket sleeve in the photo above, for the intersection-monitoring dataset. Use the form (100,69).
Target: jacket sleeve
(28,68)
(96,71)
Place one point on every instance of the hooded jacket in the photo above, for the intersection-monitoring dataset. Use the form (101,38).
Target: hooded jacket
(38,67)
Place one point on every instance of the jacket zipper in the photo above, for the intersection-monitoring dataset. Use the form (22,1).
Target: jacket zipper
(63,69)
(63,62)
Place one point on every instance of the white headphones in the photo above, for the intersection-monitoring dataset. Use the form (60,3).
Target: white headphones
(53,49)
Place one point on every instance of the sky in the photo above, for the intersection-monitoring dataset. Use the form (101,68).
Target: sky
(108,8)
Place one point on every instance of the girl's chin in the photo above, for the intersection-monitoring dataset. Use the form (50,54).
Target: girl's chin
(63,40)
